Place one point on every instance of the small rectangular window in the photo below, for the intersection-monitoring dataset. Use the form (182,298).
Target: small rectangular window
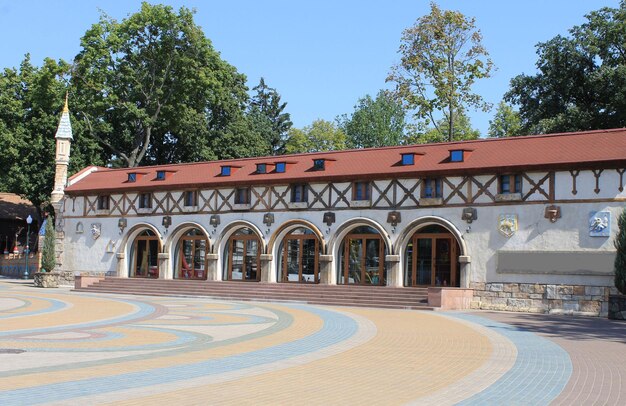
(361,191)
(145,201)
(456,155)
(510,184)
(242,195)
(225,171)
(132,177)
(280,167)
(299,193)
(408,159)
(103,202)
(191,198)
(432,188)
(261,168)
(318,164)
(160,175)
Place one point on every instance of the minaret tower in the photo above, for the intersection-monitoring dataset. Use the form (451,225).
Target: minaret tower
(62,158)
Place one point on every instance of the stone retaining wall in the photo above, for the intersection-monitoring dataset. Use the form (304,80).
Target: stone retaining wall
(542,298)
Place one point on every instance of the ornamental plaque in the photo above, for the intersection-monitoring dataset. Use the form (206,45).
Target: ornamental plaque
(96,229)
(600,224)
(507,224)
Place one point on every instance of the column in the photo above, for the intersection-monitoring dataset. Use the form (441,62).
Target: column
(326,270)
(266,260)
(212,271)
(394,273)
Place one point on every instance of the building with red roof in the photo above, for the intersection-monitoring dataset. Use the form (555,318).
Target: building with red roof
(523,223)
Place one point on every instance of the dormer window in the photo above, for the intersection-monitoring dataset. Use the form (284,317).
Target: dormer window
(160,175)
(280,167)
(226,169)
(319,164)
(261,168)
(408,159)
(132,177)
(456,155)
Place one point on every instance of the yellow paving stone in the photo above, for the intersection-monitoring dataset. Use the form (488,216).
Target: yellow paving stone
(413,354)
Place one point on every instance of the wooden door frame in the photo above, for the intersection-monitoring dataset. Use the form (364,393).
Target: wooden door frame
(346,257)
(193,238)
(300,238)
(146,238)
(245,238)
(454,247)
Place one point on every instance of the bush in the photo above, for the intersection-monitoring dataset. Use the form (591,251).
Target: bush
(620,258)
(48,260)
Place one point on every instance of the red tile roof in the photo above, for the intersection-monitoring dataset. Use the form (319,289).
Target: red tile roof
(601,148)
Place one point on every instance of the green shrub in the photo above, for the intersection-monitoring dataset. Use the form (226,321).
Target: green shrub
(48,258)
(620,258)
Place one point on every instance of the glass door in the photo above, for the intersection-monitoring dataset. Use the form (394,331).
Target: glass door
(431,260)
(145,256)
(244,258)
(363,260)
(193,250)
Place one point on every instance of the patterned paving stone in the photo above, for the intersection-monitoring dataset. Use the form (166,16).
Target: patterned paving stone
(112,349)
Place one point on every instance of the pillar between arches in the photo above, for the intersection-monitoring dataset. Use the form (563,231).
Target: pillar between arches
(164,264)
(394,273)
(326,262)
(266,260)
(121,265)
(212,273)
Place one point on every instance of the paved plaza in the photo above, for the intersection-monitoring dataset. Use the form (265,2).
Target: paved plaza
(66,348)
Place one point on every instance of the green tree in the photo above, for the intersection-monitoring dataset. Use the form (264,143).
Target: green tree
(462,129)
(48,255)
(375,122)
(620,258)
(581,79)
(268,118)
(506,122)
(442,55)
(31,101)
(320,136)
(152,89)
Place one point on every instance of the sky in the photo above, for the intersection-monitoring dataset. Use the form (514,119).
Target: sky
(321,56)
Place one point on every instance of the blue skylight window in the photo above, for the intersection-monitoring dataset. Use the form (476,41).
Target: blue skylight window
(456,155)
(280,167)
(160,175)
(261,168)
(408,159)
(132,177)
(225,171)
(318,164)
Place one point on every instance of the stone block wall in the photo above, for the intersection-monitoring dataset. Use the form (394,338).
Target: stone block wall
(542,298)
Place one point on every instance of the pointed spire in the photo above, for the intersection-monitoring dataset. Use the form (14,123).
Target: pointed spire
(64,130)
(66,108)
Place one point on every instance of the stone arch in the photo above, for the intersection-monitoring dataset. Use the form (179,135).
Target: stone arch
(220,244)
(276,238)
(342,231)
(123,253)
(414,226)
(172,241)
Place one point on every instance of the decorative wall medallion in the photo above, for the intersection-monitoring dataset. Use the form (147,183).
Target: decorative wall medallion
(600,224)
(507,224)
(79,228)
(96,229)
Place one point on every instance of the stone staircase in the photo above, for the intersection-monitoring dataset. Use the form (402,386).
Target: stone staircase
(339,295)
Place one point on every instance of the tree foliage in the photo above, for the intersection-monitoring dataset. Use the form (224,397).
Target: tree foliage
(48,255)
(620,258)
(442,55)
(375,122)
(581,79)
(152,89)
(320,136)
(31,100)
(462,131)
(268,118)
(506,122)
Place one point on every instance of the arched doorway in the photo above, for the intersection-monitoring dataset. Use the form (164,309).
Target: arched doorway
(362,258)
(431,258)
(191,255)
(144,255)
(299,257)
(243,253)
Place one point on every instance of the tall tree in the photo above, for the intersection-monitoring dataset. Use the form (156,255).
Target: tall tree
(506,122)
(375,122)
(462,131)
(320,136)
(268,117)
(152,89)
(581,79)
(442,55)
(31,100)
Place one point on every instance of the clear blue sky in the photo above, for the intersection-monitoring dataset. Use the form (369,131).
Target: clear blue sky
(321,56)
